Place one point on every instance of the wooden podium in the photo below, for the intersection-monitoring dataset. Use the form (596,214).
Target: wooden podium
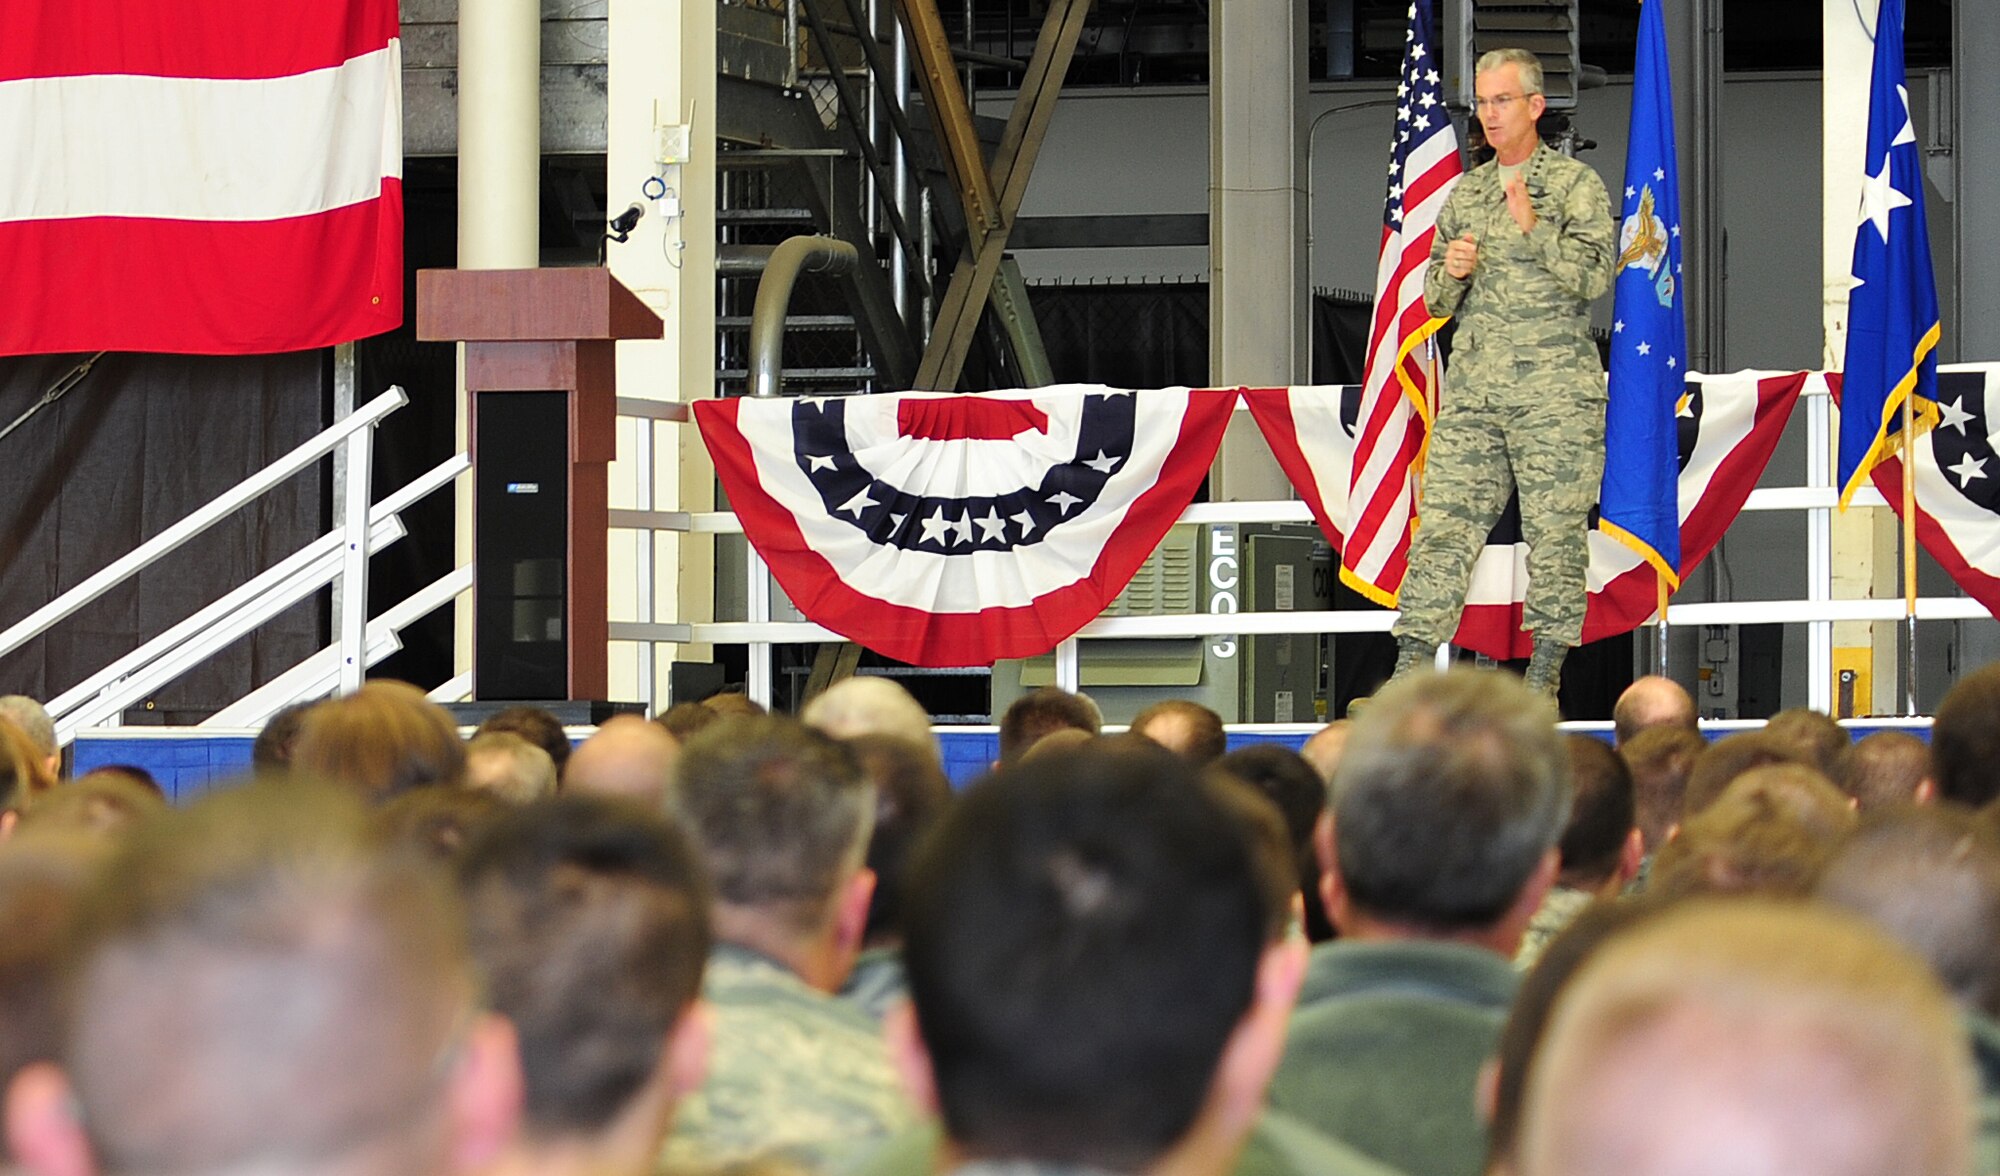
(540,370)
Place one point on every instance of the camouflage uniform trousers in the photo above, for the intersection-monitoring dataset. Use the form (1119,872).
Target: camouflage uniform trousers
(1542,434)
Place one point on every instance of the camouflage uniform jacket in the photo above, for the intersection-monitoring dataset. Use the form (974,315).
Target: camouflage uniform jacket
(795,1074)
(1559,909)
(1529,296)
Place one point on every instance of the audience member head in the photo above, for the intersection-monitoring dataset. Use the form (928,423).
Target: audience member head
(1188,729)
(628,757)
(1771,833)
(34,721)
(1818,738)
(1601,846)
(1728,758)
(1069,741)
(1752,1038)
(911,794)
(1044,712)
(24,775)
(1050,922)
(1649,702)
(685,720)
(589,918)
(535,725)
(1299,796)
(1660,759)
(102,802)
(385,738)
(782,814)
(733,704)
(509,767)
(438,821)
(1965,740)
(1886,768)
(871,706)
(1445,813)
(271,751)
(1930,877)
(1323,747)
(253,985)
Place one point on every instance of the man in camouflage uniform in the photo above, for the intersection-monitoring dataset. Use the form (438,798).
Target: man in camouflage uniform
(782,814)
(1524,244)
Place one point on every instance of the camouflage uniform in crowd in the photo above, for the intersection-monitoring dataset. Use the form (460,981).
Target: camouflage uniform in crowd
(1523,406)
(795,1074)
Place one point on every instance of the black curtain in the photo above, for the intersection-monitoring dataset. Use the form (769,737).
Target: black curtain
(142,442)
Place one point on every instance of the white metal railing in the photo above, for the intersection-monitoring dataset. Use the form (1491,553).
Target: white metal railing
(340,556)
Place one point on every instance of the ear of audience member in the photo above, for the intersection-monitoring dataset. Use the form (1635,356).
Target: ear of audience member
(1323,747)
(1439,846)
(1965,740)
(871,706)
(590,920)
(254,985)
(34,721)
(911,793)
(1886,768)
(24,777)
(1600,848)
(1039,713)
(1188,729)
(1660,759)
(1652,702)
(782,815)
(271,751)
(629,758)
(384,739)
(1728,758)
(685,720)
(509,767)
(1819,739)
(98,803)
(535,725)
(1299,796)
(438,822)
(1054,1020)
(1771,832)
(1752,1038)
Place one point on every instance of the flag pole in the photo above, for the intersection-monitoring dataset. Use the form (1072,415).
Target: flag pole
(1910,555)
(1660,653)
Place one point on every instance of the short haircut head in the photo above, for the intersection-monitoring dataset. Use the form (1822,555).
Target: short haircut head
(1750,1037)
(24,777)
(1771,833)
(535,725)
(1650,702)
(1043,712)
(1819,738)
(271,750)
(254,984)
(782,814)
(911,794)
(42,878)
(1451,790)
(509,767)
(1965,740)
(1728,758)
(381,740)
(1051,924)
(1323,747)
(33,720)
(1930,877)
(1660,759)
(100,802)
(1528,67)
(1297,795)
(1188,729)
(589,918)
(1601,812)
(628,757)
(437,822)
(1883,768)
(685,720)
(870,706)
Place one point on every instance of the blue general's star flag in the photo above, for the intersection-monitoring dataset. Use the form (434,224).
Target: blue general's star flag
(1639,503)
(1892,313)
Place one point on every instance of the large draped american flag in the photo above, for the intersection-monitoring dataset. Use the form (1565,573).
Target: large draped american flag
(1400,381)
(199,176)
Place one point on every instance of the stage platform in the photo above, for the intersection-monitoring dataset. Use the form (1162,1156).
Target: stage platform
(189,760)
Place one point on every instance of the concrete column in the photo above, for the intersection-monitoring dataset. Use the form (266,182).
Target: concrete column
(662,76)
(1865,541)
(499,190)
(1694,46)
(1258,332)
(1972,334)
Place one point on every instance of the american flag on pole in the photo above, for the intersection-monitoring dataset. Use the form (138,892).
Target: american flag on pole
(1400,381)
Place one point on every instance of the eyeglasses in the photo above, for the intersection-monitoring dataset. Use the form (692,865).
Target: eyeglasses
(1498,102)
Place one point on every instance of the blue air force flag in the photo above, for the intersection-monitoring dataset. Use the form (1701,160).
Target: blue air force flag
(1892,315)
(1639,499)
